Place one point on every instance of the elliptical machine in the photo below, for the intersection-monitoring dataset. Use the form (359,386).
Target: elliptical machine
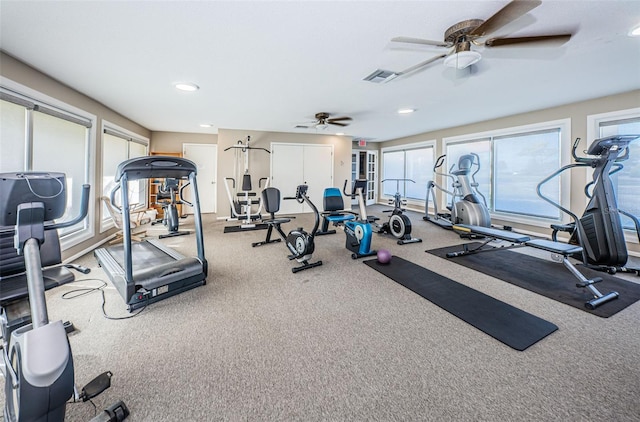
(399,225)
(599,231)
(468,205)
(37,362)
(167,199)
(299,242)
(358,232)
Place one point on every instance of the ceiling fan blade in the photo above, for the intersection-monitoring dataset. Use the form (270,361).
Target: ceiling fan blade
(410,40)
(422,64)
(510,12)
(337,123)
(497,42)
(334,119)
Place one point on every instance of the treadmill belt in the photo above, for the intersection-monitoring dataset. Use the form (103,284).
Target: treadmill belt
(145,256)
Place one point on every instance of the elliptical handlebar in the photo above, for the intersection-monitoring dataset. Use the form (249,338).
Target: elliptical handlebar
(439,162)
(603,145)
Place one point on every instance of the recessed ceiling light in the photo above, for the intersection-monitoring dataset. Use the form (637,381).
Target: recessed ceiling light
(206,125)
(340,133)
(186,86)
(635,31)
(406,110)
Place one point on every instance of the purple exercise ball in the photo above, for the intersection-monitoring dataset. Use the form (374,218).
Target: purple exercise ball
(384,256)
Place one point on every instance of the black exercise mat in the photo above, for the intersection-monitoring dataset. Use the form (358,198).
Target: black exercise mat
(547,278)
(510,325)
(235,229)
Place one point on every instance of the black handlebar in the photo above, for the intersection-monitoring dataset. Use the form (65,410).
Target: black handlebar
(439,162)
(84,210)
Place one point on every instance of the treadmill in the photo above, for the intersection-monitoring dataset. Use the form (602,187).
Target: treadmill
(149,271)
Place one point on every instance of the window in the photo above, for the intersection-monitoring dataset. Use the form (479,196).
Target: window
(119,145)
(626,182)
(521,161)
(413,162)
(481,147)
(512,163)
(42,134)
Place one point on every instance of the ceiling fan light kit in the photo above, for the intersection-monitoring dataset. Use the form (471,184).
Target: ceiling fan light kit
(459,37)
(462,59)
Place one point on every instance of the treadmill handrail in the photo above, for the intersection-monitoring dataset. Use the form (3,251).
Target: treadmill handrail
(149,167)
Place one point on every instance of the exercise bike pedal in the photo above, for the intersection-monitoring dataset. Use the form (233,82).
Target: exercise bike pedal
(96,386)
(589,282)
(68,327)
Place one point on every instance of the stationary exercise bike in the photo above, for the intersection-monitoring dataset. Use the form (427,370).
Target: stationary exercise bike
(37,363)
(599,231)
(399,225)
(167,199)
(468,206)
(299,242)
(358,232)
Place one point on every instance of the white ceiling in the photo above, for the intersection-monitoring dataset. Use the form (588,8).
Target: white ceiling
(266,65)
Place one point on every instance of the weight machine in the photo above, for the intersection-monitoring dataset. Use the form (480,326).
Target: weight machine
(241,196)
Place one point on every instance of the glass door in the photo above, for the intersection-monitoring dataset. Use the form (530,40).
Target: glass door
(372,177)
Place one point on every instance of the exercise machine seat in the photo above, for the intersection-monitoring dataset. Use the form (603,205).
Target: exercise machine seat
(334,206)
(271,201)
(13,276)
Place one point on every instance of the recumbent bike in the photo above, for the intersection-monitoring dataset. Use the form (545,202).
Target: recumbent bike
(37,362)
(299,242)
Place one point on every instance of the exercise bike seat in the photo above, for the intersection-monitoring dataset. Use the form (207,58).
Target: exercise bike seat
(13,277)
(334,206)
(271,201)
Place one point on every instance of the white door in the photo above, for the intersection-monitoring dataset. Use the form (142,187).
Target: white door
(372,177)
(287,172)
(297,164)
(205,156)
(318,172)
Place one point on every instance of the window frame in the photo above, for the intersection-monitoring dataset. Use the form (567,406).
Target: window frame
(60,109)
(593,132)
(564,125)
(405,148)
(106,223)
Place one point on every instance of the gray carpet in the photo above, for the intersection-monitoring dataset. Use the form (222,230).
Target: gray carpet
(342,343)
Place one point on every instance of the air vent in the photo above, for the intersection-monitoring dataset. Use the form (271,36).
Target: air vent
(380,76)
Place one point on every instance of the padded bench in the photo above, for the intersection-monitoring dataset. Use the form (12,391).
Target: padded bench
(558,248)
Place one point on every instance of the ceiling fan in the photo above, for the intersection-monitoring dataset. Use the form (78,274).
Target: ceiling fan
(323,120)
(459,37)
